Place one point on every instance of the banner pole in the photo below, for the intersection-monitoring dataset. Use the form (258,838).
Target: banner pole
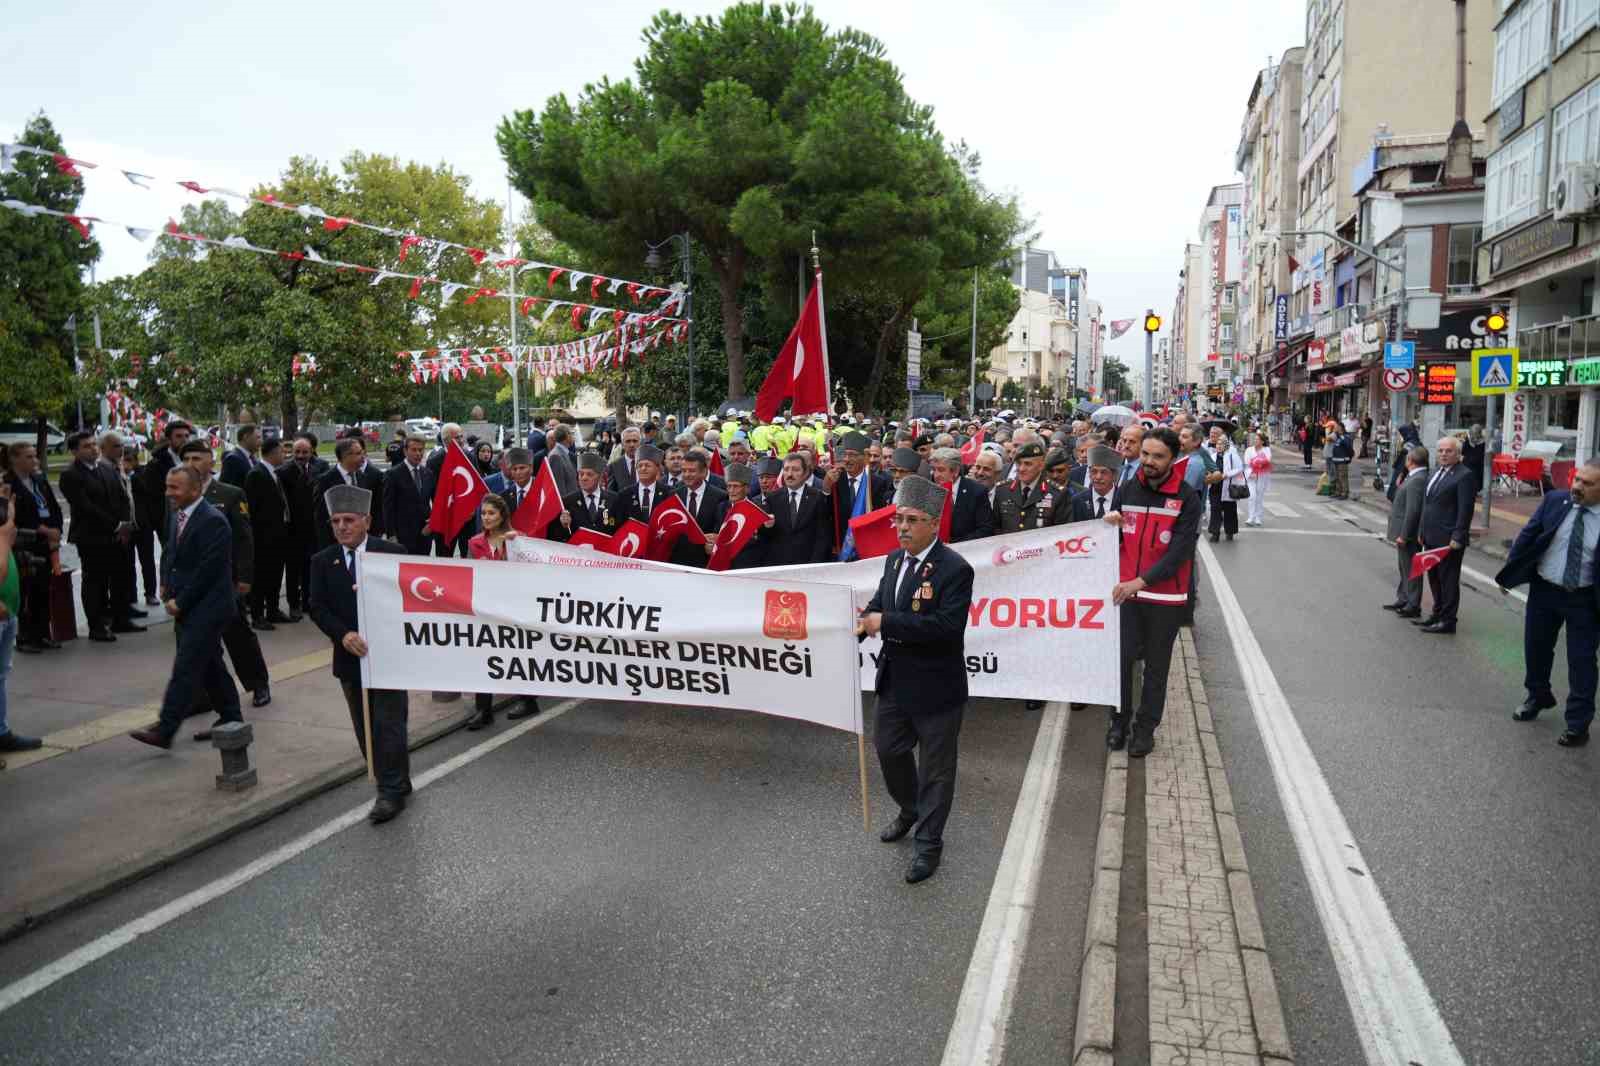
(861,760)
(366,706)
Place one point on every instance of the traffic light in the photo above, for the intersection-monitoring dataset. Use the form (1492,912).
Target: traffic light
(1496,322)
(1152,323)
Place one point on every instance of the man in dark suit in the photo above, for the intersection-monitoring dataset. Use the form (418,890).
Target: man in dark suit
(843,483)
(408,497)
(641,498)
(239,461)
(162,460)
(1405,523)
(592,506)
(1447,503)
(801,527)
(971,517)
(101,527)
(920,611)
(706,503)
(1095,501)
(269,531)
(197,587)
(38,512)
(299,478)
(242,644)
(334,573)
(622,474)
(1555,556)
(124,578)
(350,468)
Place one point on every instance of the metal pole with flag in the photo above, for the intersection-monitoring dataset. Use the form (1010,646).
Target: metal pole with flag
(800,373)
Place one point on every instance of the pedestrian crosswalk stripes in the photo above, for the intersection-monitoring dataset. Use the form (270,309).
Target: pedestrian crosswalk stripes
(1280,510)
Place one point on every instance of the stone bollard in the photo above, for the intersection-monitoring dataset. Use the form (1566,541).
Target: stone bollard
(233,740)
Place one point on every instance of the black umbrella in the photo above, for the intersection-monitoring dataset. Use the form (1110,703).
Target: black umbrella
(1228,426)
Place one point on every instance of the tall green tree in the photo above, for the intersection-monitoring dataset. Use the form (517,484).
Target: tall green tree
(1116,379)
(42,260)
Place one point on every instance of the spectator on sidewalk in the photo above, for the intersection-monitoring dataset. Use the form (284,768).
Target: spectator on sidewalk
(10,612)
(1405,523)
(1342,452)
(1446,520)
(147,516)
(1258,476)
(124,580)
(1408,438)
(1229,479)
(1472,454)
(299,478)
(38,521)
(269,533)
(1308,440)
(101,521)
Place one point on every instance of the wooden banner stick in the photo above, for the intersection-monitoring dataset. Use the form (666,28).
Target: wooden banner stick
(861,759)
(366,706)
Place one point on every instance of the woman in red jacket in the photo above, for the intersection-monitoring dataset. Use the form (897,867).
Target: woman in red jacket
(495,517)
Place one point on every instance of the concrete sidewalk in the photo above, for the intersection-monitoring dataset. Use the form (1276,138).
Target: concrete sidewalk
(94,809)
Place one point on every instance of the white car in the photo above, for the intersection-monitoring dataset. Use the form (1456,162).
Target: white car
(428,427)
(13,432)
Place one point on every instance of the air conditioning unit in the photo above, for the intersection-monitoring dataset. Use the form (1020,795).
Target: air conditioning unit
(1577,190)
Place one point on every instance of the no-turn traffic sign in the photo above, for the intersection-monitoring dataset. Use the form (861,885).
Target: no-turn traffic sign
(1397,380)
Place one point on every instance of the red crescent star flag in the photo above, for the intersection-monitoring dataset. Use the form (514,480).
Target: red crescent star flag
(435,589)
(874,533)
(584,537)
(671,520)
(744,521)
(1424,561)
(715,465)
(944,514)
(541,506)
(631,539)
(971,449)
(460,490)
(800,373)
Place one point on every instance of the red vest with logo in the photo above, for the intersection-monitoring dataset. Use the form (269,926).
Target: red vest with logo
(1149,517)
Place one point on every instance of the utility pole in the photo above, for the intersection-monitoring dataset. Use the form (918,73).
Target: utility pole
(516,362)
(1149,355)
(972,367)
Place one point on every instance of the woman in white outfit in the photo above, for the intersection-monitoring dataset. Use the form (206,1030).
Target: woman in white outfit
(1258,475)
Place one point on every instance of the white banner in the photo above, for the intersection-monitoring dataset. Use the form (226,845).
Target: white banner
(1041,625)
(600,629)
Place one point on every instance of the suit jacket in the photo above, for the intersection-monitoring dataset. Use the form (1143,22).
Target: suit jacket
(605,521)
(1083,504)
(844,500)
(497,483)
(628,505)
(923,665)
(1405,513)
(971,517)
(808,540)
(713,510)
(1078,477)
(300,487)
(27,508)
(269,506)
(197,568)
(333,601)
(1447,510)
(368,478)
(231,502)
(1529,547)
(97,502)
(406,507)
(236,466)
(618,477)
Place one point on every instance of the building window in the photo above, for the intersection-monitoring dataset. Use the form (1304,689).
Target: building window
(1514,187)
(1578,17)
(1463,243)
(1521,47)
(1575,130)
(1227,296)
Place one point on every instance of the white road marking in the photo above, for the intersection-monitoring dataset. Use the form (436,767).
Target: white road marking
(1488,582)
(104,945)
(978,1033)
(1281,510)
(1394,1013)
(1308,532)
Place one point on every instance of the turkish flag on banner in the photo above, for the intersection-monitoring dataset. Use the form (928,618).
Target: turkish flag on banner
(584,537)
(460,490)
(541,506)
(970,450)
(874,533)
(800,373)
(431,588)
(631,539)
(944,515)
(744,521)
(1424,561)
(671,520)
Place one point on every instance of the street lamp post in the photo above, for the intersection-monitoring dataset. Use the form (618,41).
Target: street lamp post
(652,260)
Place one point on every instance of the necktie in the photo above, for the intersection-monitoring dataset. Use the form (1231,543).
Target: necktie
(794,507)
(644,501)
(901,586)
(183,520)
(1574,571)
(1433,484)
(694,504)
(594,512)
(1099,506)
(416,479)
(350,562)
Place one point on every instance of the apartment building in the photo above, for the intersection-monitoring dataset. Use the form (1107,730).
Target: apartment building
(1219,234)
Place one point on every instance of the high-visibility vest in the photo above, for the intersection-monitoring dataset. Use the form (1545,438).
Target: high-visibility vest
(761,438)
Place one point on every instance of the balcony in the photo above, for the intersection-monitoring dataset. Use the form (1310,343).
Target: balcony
(1574,338)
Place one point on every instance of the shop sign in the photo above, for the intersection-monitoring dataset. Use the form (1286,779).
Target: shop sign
(1281,329)
(1518,420)
(1537,241)
(1316,352)
(1439,383)
(1350,344)
(1541,373)
(1458,331)
(1345,380)
(1511,115)
(1584,372)
(1371,336)
(1326,381)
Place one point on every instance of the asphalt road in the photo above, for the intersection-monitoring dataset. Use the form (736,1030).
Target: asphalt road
(1475,828)
(624,883)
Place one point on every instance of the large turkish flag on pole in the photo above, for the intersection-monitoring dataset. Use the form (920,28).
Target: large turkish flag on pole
(459,490)
(800,373)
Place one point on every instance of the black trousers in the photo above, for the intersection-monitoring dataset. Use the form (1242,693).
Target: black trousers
(1549,608)
(1224,514)
(1444,582)
(391,759)
(144,546)
(297,572)
(268,583)
(197,668)
(99,564)
(924,784)
(124,581)
(1148,631)
(34,625)
(1409,591)
(245,650)
(484,701)
(456,547)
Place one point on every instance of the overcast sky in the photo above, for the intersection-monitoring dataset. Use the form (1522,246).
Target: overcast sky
(1111,120)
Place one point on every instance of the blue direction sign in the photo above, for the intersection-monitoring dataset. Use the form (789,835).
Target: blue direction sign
(1400,355)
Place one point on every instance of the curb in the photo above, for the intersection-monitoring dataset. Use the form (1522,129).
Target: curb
(159,858)
(1094,1035)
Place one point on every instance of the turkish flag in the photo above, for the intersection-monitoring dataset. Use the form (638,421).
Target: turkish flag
(874,533)
(1424,561)
(671,520)
(435,589)
(800,373)
(460,490)
(716,466)
(970,450)
(944,515)
(541,506)
(631,539)
(1179,468)
(744,521)
(584,537)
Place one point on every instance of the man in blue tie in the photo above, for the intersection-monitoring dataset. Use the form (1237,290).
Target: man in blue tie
(1555,555)
(1129,442)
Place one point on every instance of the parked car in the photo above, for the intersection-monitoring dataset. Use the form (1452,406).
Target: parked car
(12,432)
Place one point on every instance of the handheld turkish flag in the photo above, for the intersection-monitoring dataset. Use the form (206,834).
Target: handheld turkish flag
(800,373)
(944,515)
(542,505)
(584,537)
(671,520)
(1424,561)
(874,533)
(970,450)
(435,589)
(1180,468)
(716,466)
(631,539)
(461,489)
(744,521)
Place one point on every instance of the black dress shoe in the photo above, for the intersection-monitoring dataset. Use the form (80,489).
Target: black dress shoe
(1409,612)
(1214,537)
(526,709)
(151,737)
(18,742)
(480,720)
(386,808)
(1394,607)
(261,697)
(1142,744)
(1032,705)
(1569,739)
(1076,706)
(279,618)
(127,627)
(1431,620)
(1439,627)
(1230,536)
(102,636)
(29,647)
(295,616)
(134,612)
(1530,708)
(922,868)
(1116,736)
(263,625)
(152,601)
(896,829)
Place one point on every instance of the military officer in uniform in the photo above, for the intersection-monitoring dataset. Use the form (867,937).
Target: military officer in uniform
(920,611)
(1029,501)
